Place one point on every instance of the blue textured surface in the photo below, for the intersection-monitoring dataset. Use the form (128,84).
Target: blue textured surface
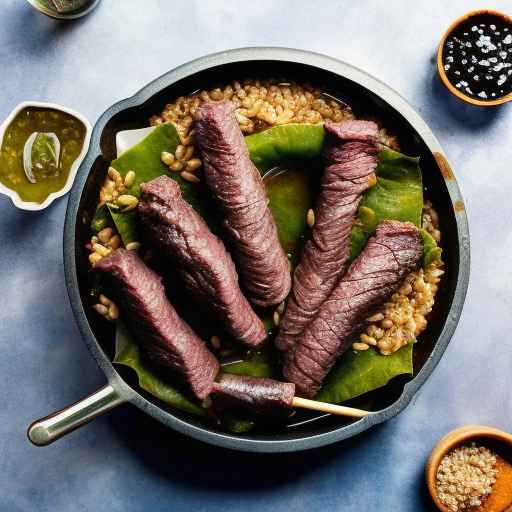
(126,461)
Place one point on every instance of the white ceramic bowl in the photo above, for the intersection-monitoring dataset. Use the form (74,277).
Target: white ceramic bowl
(15,198)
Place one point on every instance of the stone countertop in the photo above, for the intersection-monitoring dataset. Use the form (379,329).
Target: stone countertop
(127,462)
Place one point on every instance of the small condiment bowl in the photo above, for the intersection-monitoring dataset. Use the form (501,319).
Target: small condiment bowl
(12,194)
(452,440)
(81,8)
(440,65)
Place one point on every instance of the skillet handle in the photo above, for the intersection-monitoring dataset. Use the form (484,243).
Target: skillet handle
(48,429)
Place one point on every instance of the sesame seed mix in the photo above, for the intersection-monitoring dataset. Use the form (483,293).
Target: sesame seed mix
(477,57)
(465,477)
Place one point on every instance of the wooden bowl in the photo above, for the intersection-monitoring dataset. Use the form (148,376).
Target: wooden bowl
(440,66)
(452,440)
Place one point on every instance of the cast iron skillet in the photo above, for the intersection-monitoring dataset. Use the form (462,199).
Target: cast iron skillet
(367,96)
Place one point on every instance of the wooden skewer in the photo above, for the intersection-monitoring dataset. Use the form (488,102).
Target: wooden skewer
(313,405)
(340,410)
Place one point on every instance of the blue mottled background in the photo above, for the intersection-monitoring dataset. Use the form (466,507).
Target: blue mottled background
(126,461)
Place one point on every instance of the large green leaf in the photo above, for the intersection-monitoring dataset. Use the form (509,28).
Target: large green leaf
(128,354)
(360,372)
(398,195)
(290,196)
(431,251)
(259,364)
(144,159)
(293,141)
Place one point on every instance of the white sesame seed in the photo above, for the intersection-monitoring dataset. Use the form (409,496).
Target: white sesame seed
(465,476)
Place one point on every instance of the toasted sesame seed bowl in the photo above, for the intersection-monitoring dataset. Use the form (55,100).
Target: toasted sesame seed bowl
(463,436)
(367,97)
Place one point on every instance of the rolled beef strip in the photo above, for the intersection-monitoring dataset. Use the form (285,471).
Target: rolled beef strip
(165,337)
(200,258)
(350,153)
(259,395)
(377,273)
(239,190)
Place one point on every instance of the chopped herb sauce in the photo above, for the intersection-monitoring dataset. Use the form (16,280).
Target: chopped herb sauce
(58,139)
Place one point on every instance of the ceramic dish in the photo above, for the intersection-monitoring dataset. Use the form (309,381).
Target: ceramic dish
(367,96)
(13,195)
(454,439)
(440,64)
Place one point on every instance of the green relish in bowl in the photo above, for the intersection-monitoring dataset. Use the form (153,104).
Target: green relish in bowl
(38,150)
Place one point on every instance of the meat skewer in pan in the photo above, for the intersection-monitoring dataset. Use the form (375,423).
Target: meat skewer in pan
(265,396)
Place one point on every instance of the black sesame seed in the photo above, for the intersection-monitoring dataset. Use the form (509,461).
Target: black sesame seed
(482,45)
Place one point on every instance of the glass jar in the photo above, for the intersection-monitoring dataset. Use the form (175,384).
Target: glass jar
(64,9)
